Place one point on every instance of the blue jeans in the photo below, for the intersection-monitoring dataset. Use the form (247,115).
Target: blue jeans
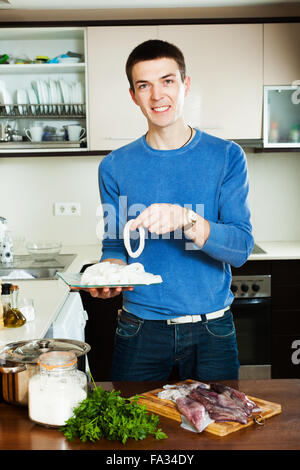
(147,350)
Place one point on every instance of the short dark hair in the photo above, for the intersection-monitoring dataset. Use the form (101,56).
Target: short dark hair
(154,49)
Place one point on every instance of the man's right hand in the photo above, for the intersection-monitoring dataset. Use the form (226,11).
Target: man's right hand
(105,292)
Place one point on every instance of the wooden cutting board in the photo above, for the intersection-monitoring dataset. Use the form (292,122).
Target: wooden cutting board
(169,409)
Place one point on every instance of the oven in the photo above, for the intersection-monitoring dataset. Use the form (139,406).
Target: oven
(251,310)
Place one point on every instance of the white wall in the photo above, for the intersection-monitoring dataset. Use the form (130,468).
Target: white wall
(30,186)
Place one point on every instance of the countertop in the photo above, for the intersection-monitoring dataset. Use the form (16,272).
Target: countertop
(280,432)
(49,295)
(277,251)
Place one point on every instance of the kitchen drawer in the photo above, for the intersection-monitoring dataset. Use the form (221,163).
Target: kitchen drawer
(286,272)
(285,322)
(285,297)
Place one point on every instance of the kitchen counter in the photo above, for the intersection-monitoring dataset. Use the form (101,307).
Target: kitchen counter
(48,296)
(281,432)
(277,251)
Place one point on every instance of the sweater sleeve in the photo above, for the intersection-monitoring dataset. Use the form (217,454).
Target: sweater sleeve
(113,213)
(230,238)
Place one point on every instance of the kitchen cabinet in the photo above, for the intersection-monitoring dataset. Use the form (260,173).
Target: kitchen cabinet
(70,321)
(281,53)
(47,95)
(281,116)
(286,319)
(285,304)
(226,67)
(100,331)
(114,119)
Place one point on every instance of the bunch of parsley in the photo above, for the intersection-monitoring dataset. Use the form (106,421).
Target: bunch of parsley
(105,414)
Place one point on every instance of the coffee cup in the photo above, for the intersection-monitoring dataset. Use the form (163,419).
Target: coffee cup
(75,133)
(34,133)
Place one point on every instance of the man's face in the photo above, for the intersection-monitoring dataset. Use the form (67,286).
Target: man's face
(159,91)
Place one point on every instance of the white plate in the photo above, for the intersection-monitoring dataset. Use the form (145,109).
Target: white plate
(22,100)
(6,98)
(65,94)
(40,94)
(32,99)
(74,97)
(68,60)
(44,95)
(53,94)
(80,95)
(49,97)
(59,96)
(73,280)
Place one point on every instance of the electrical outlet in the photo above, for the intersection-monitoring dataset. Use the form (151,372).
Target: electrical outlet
(67,208)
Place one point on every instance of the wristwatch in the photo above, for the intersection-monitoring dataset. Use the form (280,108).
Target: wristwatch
(191,218)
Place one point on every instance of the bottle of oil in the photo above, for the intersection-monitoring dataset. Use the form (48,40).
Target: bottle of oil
(11,318)
(1,307)
(14,293)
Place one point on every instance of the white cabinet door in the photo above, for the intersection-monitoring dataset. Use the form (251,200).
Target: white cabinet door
(226,67)
(281,53)
(114,120)
(70,321)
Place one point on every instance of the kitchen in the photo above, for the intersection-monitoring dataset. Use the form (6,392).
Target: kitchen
(52,178)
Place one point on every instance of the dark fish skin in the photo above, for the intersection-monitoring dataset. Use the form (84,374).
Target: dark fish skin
(216,411)
(238,397)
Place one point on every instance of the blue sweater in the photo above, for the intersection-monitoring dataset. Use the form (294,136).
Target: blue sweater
(208,175)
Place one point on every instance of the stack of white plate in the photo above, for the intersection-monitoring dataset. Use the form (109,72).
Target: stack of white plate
(5,98)
(45,97)
(57,96)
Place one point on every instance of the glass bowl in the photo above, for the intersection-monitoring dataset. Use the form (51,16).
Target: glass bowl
(43,251)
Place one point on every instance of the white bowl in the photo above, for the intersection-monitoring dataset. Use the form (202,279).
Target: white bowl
(43,251)
(68,60)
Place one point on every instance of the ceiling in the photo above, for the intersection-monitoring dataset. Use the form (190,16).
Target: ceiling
(137,4)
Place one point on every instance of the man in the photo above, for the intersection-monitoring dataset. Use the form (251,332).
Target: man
(193,191)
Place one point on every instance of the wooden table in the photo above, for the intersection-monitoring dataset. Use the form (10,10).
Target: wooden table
(279,432)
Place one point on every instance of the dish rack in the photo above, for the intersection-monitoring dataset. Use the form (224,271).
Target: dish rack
(43,110)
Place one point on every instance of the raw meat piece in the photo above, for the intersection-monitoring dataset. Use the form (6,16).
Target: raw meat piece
(193,410)
(210,400)
(172,392)
(238,397)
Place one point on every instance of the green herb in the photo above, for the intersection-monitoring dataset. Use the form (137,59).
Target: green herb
(106,414)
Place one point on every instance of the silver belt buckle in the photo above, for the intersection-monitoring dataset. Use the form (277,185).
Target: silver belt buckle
(184,319)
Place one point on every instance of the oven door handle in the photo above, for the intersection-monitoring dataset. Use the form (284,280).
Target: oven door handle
(261,301)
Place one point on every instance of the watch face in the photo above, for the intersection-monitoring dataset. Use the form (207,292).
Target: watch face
(192,217)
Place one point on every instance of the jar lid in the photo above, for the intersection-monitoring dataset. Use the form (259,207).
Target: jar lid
(6,288)
(30,351)
(57,359)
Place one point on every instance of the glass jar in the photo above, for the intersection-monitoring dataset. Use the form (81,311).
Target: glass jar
(56,389)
